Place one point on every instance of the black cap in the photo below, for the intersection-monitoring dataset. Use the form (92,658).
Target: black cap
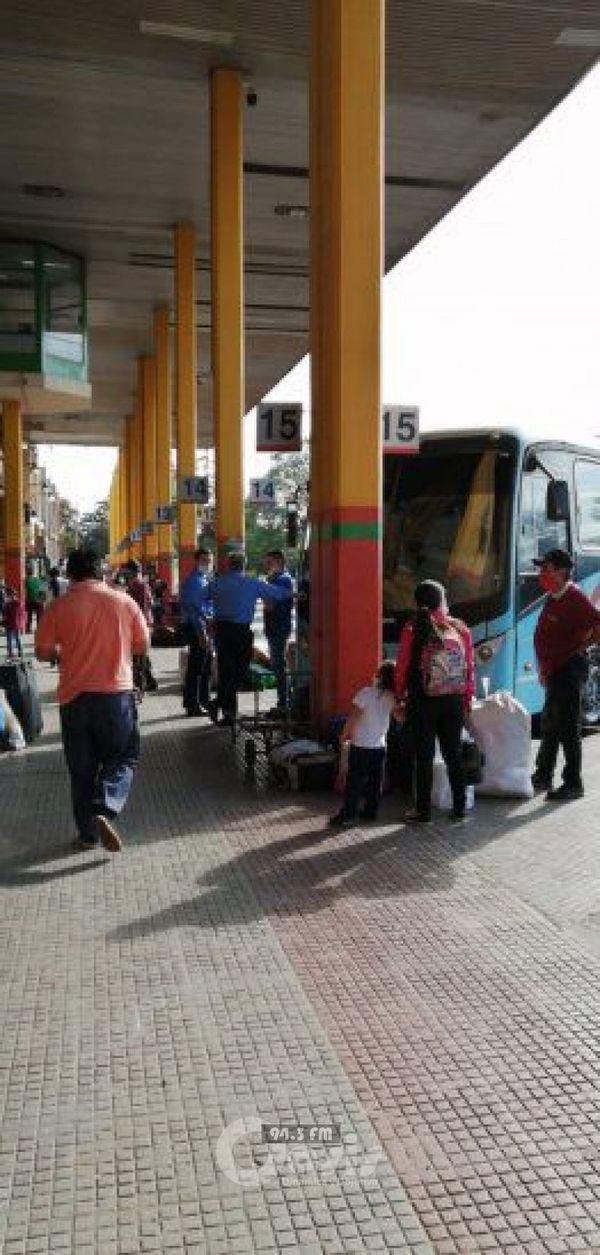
(558,557)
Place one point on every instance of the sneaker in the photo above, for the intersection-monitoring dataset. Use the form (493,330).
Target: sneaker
(457,817)
(566,793)
(340,821)
(541,784)
(415,817)
(193,712)
(107,835)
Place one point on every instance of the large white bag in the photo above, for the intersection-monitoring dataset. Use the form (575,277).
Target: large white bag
(9,725)
(502,729)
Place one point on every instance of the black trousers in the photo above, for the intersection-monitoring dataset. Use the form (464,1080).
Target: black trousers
(363,782)
(196,686)
(234,654)
(440,717)
(561,722)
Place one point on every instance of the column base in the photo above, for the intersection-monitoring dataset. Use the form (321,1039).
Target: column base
(164,570)
(349,629)
(14,569)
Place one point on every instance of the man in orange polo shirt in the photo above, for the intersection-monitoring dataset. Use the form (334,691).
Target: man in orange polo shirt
(94,632)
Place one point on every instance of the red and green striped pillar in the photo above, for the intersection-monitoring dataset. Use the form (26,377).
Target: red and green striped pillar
(347,109)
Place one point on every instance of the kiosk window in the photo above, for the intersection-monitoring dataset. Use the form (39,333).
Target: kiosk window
(17,299)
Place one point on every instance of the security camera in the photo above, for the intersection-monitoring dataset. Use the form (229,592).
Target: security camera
(251,98)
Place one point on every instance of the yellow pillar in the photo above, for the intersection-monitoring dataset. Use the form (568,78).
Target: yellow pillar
(131,489)
(113,518)
(14,538)
(347,106)
(227,218)
(163,440)
(137,472)
(123,500)
(148,388)
(185,341)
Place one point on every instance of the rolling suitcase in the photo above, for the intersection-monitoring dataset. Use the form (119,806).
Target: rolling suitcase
(20,685)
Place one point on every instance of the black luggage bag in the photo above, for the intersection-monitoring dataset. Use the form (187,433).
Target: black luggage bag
(20,685)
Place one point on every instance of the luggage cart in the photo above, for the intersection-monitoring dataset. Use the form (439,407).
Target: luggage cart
(263,729)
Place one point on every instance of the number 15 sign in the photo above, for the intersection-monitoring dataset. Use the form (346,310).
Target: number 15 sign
(400,429)
(279,427)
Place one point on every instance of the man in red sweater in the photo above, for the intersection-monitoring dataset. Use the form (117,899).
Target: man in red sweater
(568,623)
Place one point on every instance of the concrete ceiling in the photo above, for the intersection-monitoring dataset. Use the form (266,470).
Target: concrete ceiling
(118,120)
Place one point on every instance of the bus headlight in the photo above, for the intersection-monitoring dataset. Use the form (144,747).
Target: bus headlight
(488,649)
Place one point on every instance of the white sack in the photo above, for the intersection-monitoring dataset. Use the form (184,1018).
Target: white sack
(293,749)
(502,729)
(10,724)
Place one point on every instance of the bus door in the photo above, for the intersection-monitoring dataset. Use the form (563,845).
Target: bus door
(536,534)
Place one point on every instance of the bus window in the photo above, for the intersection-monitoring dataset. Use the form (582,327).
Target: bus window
(447,517)
(536,535)
(587,495)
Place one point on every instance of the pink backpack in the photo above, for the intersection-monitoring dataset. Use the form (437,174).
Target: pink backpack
(443,663)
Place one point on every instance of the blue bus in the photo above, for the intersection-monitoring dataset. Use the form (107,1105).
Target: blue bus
(473,509)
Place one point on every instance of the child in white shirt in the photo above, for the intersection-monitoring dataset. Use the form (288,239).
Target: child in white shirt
(366,729)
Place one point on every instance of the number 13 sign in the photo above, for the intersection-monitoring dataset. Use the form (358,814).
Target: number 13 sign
(278,427)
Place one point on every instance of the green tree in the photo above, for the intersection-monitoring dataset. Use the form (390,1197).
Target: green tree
(69,528)
(266,526)
(93,528)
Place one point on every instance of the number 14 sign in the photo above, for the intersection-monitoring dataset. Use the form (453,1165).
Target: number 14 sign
(278,427)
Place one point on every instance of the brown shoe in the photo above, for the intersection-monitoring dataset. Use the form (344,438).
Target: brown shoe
(107,835)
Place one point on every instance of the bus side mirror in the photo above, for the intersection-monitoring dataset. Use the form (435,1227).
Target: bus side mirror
(557,501)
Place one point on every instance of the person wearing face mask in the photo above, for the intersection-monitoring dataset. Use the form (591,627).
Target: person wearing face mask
(435,683)
(568,624)
(196,613)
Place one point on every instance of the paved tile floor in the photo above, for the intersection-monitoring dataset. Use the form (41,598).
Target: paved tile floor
(434,994)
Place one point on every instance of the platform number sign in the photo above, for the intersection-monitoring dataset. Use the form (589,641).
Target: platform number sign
(278,427)
(262,491)
(193,489)
(165,514)
(400,428)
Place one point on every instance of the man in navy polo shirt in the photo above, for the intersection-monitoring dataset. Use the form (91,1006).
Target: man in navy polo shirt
(568,624)
(234,596)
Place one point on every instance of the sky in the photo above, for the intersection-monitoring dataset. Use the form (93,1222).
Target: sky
(493,318)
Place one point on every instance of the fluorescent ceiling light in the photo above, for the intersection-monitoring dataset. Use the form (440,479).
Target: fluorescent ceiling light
(190,34)
(579,37)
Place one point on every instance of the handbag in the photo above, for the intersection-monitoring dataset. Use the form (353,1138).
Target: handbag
(473,761)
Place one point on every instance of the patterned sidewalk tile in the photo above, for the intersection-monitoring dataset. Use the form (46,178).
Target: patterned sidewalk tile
(435,995)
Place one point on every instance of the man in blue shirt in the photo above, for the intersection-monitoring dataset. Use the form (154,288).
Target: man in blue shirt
(196,612)
(278,622)
(234,595)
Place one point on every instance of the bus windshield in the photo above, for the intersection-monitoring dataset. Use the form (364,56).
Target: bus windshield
(447,517)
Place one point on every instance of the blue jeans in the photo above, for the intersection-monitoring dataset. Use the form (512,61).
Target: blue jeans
(13,642)
(102,744)
(277,644)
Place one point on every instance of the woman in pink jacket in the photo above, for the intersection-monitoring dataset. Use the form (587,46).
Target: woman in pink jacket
(435,681)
